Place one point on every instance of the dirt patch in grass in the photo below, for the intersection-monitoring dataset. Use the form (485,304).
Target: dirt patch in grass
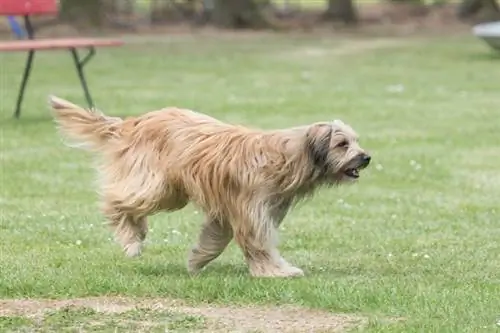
(215,318)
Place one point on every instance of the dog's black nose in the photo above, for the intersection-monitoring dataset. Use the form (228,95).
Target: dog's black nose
(366,159)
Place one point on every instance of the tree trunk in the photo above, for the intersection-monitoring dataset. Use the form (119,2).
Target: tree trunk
(87,12)
(341,10)
(239,14)
(120,14)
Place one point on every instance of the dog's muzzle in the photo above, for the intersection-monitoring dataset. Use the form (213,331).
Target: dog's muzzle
(360,162)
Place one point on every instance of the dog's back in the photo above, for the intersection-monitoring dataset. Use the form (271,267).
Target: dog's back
(93,130)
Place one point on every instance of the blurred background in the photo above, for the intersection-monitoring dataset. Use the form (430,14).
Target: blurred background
(409,16)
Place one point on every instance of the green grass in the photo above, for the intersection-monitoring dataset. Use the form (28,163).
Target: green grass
(416,238)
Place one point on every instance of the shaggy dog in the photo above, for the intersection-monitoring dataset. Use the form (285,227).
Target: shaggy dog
(244,180)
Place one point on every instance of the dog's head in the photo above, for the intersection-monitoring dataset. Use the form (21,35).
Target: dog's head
(335,152)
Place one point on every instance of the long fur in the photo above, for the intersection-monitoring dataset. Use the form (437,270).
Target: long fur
(244,179)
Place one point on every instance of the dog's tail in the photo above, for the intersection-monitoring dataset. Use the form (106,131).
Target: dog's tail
(87,129)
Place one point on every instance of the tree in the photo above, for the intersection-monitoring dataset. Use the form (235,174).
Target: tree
(341,10)
(240,13)
(469,8)
(162,11)
(87,12)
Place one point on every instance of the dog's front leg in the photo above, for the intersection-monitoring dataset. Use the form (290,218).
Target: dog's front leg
(278,214)
(279,211)
(256,234)
(213,239)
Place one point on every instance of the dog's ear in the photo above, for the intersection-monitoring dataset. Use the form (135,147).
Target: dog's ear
(318,139)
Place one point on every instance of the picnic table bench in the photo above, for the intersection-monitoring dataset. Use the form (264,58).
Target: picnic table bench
(28,8)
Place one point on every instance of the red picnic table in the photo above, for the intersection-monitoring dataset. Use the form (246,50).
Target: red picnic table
(28,8)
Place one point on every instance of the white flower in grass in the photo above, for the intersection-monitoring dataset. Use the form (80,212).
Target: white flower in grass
(379,167)
(344,204)
(426,256)
(305,76)
(78,242)
(415,165)
(395,88)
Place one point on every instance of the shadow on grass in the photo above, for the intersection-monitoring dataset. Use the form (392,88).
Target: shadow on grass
(484,56)
(178,270)
(354,271)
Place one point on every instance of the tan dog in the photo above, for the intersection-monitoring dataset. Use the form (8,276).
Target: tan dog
(245,180)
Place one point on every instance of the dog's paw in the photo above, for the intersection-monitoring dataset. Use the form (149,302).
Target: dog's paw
(278,272)
(133,250)
(292,271)
(193,270)
(195,266)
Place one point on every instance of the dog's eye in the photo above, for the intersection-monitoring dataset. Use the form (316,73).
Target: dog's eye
(343,144)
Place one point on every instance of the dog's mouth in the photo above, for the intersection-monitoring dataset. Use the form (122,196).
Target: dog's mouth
(352,173)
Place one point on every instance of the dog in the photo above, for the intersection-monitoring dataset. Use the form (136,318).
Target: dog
(244,180)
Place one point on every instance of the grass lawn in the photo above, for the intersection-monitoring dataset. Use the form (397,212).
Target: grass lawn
(413,247)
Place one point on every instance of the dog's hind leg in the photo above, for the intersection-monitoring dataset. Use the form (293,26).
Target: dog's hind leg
(213,239)
(130,229)
(128,195)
